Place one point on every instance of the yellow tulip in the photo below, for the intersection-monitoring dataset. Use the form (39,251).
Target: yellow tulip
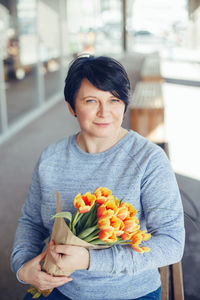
(107,236)
(108,208)
(137,238)
(84,202)
(130,224)
(101,194)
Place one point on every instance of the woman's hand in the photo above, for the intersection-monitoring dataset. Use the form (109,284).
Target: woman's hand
(69,258)
(31,273)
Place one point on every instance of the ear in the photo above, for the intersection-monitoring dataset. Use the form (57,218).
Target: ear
(71,110)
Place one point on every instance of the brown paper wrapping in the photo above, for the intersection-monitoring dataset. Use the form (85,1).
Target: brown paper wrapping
(61,234)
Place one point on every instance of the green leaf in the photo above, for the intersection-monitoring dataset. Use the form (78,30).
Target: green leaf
(121,200)
(81,223)
(77,217)
(92,236)
(87,232)
(92,218)
(64,214)
(88,219)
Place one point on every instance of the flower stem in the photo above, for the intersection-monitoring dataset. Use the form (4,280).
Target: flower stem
(90,239)
(74,221)
(124,243)
(100,243)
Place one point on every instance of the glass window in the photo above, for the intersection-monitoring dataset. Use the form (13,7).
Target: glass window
(49,40)
(152,29)
(95,27)
(20,59)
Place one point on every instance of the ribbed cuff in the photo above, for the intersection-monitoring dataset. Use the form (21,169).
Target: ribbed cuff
(18,276)
(101,260)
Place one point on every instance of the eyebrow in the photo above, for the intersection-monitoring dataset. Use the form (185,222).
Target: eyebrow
(89,97)
(98,97)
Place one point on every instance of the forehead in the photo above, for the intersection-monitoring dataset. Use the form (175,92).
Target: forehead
(88,89)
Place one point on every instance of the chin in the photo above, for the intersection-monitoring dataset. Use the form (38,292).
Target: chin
(104,134)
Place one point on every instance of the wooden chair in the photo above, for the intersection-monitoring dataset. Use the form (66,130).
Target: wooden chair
(172,282)
(147,118)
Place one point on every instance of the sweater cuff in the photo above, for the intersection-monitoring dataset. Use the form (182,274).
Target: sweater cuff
(17,275)
(101,260)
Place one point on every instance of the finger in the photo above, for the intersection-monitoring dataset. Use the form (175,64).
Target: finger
(45,285)
(63,249)
(48,281)
(54,279)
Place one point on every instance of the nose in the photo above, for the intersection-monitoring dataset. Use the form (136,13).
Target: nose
(103,110)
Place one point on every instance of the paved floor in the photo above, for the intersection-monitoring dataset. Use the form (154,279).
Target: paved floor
(19,155)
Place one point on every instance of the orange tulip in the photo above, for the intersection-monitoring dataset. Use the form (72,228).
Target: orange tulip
(108,208)
(102,194)
(137,238)
(146,236)
(104,224)
(122,211)
(111,224)
(84,203)
(130,224)
(128,235)
(117,225)
(131,209)
(102,211)
(141,249)
(107,236)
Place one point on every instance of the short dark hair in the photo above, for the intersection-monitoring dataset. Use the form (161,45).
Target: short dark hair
(103,72)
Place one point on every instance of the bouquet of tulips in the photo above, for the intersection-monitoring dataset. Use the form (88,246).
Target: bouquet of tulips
(100,221)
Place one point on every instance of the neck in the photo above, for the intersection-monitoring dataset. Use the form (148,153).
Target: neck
(97,145)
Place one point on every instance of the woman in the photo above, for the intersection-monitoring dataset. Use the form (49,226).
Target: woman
(101,154)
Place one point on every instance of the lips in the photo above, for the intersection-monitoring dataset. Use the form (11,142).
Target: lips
(102,124)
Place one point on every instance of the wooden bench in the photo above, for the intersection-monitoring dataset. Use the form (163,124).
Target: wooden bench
(172,282)
(171,276)
(151,69)
(147,111)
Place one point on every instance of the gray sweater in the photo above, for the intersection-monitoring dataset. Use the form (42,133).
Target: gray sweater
(135,169)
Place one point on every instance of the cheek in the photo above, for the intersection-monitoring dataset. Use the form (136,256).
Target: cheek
(119,113)
(85,114)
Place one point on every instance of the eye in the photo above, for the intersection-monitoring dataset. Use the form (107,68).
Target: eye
(90,101)
(115,100)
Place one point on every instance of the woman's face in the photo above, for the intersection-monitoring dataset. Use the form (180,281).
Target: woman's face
(99,113)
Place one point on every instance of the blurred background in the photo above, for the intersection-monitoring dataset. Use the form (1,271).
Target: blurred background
(158,42)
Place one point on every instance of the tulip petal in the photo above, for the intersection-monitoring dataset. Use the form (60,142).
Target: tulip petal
(84,202)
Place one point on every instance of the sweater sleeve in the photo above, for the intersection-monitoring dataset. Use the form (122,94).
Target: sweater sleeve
(163,212)
(30,233)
